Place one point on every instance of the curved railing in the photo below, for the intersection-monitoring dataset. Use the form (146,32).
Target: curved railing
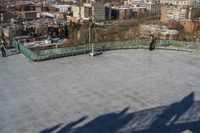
(105,46)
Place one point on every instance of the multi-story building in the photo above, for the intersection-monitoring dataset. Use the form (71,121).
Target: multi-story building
(139,11)
(152,6)
(138,7)
(125,13)
(63,8)
(98,12)
(169,12)
(82,11)
(108,12)
(95,12)
(2,6)
(133,2)
(28,15)
(193,12)
(67,0)
(179,2)
(6,16)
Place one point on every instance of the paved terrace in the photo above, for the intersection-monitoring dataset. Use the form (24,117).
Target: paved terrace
(125,91)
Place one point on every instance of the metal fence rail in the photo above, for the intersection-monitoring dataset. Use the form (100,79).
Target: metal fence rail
(85,48)
(22,49)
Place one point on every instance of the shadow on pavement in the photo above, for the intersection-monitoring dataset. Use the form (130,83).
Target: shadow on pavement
(65,129)
(11,54)
(175,118)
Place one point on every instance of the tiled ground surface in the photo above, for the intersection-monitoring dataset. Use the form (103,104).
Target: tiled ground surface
(119,91)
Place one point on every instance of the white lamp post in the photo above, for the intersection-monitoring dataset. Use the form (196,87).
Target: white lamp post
(92,54)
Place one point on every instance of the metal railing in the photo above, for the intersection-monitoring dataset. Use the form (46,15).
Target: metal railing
(105,46)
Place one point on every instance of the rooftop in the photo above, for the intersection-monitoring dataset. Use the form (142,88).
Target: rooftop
(122,91)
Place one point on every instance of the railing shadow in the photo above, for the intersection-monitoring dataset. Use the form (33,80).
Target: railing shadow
(175,118)
(11,54)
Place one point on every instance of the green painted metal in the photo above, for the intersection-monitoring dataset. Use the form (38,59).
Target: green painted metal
(22,49)
(86,48)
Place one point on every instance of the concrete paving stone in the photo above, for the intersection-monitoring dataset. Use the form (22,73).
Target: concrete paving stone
(38,96)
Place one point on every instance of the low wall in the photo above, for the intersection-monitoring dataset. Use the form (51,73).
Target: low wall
(86,48)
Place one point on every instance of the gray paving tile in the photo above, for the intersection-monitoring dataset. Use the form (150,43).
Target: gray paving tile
(41,95)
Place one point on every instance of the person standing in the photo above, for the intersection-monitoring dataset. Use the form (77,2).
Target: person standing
(152,42)
(3,49)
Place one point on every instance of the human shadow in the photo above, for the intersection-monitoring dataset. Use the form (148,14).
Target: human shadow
(49,130)
(167,121)
(65,129)
(69,127)
(174,118)
(108,123)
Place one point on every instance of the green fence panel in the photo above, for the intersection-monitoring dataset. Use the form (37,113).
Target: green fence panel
(86,48)
(22,49)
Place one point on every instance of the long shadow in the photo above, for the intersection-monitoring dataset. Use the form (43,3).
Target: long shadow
(69,127)
(166,121)
(11,54)
(108,123)
(172,114)
(49,130)
(175,118)
(65,129)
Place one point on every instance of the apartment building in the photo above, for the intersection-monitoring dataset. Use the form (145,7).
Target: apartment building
(99,12)
(63,8)
(28,15)
(6,16)
(152,6)
(169,12)
(180,2)
(95,11)
(82,11)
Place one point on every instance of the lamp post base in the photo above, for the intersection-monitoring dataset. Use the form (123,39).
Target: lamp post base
(92,54)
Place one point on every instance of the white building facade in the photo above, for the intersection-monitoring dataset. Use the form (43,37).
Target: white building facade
(180,2)
(152,6)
